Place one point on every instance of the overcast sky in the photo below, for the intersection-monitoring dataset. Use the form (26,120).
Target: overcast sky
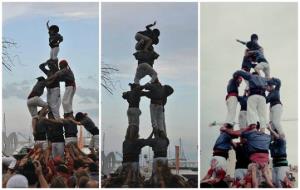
(221,24)
(176,66)
(25,23)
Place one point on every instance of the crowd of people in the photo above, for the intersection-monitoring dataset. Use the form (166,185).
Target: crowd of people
(253,145)
(56,160)
(129,174)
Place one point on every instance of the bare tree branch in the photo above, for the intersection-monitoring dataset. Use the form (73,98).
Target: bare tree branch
(107,81)
(8,58)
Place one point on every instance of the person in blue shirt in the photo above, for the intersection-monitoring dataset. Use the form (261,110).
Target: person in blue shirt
(279,159)
(256,103)
(275,104)
(257,144)
(257,51)
(232,99)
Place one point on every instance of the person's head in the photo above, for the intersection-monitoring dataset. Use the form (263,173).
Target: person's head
(41,78)
(133,86)
(93,167)
(53,29)
(156,32)
(58,182)
(79,116)
(132,132)
(80,174)
(92,184)
(83,181)
(17,181)
(239,80)
(269,88)
(228,126)
(168,89)
(29,172)
(53,64)
(258,126)
(78,164)
(71,182)
(63,64)
(254,37)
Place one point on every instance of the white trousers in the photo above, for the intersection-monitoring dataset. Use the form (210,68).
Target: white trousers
(42,144)
(240,173)
(67,101)
(163,160)
(69,140)
(33,103)
(157,116)
(134,116)
(54,100)
(265,67)
(54,52)
(142,70)
(58,149)
(94,143)
(231,104)
(243,119)
(278,175)
(257,109)
(275,117)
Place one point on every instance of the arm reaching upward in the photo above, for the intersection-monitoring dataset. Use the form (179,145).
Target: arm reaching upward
(148,27)
(242,42)
(48,25)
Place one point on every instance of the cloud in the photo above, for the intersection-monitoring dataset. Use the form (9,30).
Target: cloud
(17,89)
(85,101)
(87,93)
(71,11)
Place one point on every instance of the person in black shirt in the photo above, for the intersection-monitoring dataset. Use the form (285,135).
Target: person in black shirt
(70,130)
(242,161)
(54,40)
(34,100)
(89,125)
(147,38)
(133,98)
(53,89)
(131,150)
(145,65)
(66,75)
(159,145)
(40,135)
(158,94)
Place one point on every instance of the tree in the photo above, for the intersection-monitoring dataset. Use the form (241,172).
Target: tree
(107,81)
(7,57)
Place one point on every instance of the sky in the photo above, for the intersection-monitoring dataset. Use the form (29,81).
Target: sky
(176,66)
(220,56)
(25,23)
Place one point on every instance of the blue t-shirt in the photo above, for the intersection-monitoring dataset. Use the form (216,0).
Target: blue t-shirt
(223,142)
(278,148)
(257,141)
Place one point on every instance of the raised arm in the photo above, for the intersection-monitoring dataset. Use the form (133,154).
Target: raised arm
(43,68)
(242,42)
(243,74)
(276,135)
(148,27)
(48,25)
